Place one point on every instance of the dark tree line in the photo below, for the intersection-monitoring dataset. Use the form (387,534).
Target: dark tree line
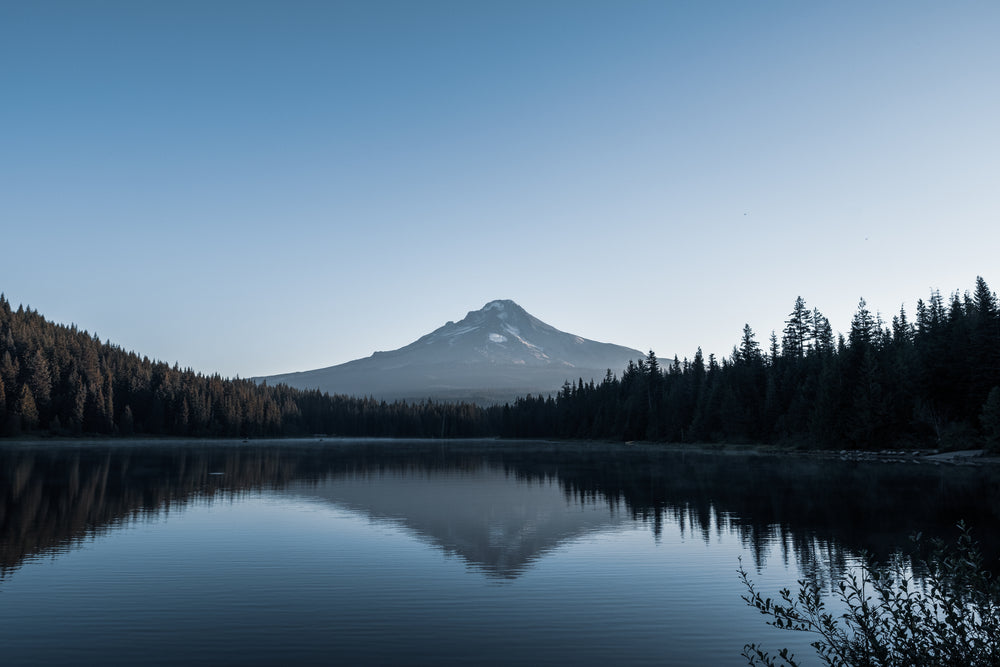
(934,380)
(59,380)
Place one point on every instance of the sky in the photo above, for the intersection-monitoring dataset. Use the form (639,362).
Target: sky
(258,187)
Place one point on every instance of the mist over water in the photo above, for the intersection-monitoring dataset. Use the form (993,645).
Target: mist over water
(416,552)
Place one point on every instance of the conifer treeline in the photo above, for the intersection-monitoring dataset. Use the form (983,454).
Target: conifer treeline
(57,379)
(932,381)
(935,380)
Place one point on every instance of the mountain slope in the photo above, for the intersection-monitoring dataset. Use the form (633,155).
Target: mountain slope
(493,354)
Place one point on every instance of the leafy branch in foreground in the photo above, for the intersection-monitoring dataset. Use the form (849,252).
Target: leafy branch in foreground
(952,617)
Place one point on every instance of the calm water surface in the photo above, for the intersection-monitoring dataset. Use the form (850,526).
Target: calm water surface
(417,552)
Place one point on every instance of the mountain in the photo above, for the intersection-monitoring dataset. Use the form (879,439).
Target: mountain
(492,355)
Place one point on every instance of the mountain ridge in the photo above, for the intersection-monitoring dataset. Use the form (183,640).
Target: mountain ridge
(499,351)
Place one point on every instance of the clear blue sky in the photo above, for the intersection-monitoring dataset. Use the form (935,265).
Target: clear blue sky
(260,187)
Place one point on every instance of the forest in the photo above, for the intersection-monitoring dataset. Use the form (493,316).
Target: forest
(929,381)
(58,380)
(933,381)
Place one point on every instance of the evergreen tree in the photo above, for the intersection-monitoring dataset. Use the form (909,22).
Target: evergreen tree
(822,333)
(76,403)
(984,341)
(749,349)
(902,332)
(863,329)
(795,341)
(698,368)
(9,368)
(936,310)
(39,378)
(127,425)
(923,319)
(985,303)
(26,409)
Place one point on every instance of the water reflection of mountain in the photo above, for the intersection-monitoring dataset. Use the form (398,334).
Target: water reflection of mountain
(492,522)
(52,496)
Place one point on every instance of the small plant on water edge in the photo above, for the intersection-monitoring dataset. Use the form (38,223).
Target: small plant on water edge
(952,617)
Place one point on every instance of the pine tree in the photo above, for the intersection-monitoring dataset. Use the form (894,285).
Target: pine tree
(984,341)
(822,333)
(749,349)
(923,319)
(27,410)
(654,384)
(935,310)
(902,332)
(774,352)
(863,328)
(77,401)
(795,340)
(181,417)
(698,367)
(39,378)
(9,369)
(985,302)
(127,425)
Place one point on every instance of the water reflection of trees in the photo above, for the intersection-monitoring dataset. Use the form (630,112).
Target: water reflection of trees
(823,512)
(819,512)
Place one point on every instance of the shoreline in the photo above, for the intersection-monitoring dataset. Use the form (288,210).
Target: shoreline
(965,457)
(975,457)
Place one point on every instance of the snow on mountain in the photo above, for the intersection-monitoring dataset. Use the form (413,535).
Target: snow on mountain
(495,353)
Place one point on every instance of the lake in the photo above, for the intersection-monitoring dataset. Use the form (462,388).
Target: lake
(435,552)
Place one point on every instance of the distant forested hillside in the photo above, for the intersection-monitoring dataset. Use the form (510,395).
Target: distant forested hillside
(932,381)
(56,379)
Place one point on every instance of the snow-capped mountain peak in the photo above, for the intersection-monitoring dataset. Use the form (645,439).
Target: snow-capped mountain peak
(496,350)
